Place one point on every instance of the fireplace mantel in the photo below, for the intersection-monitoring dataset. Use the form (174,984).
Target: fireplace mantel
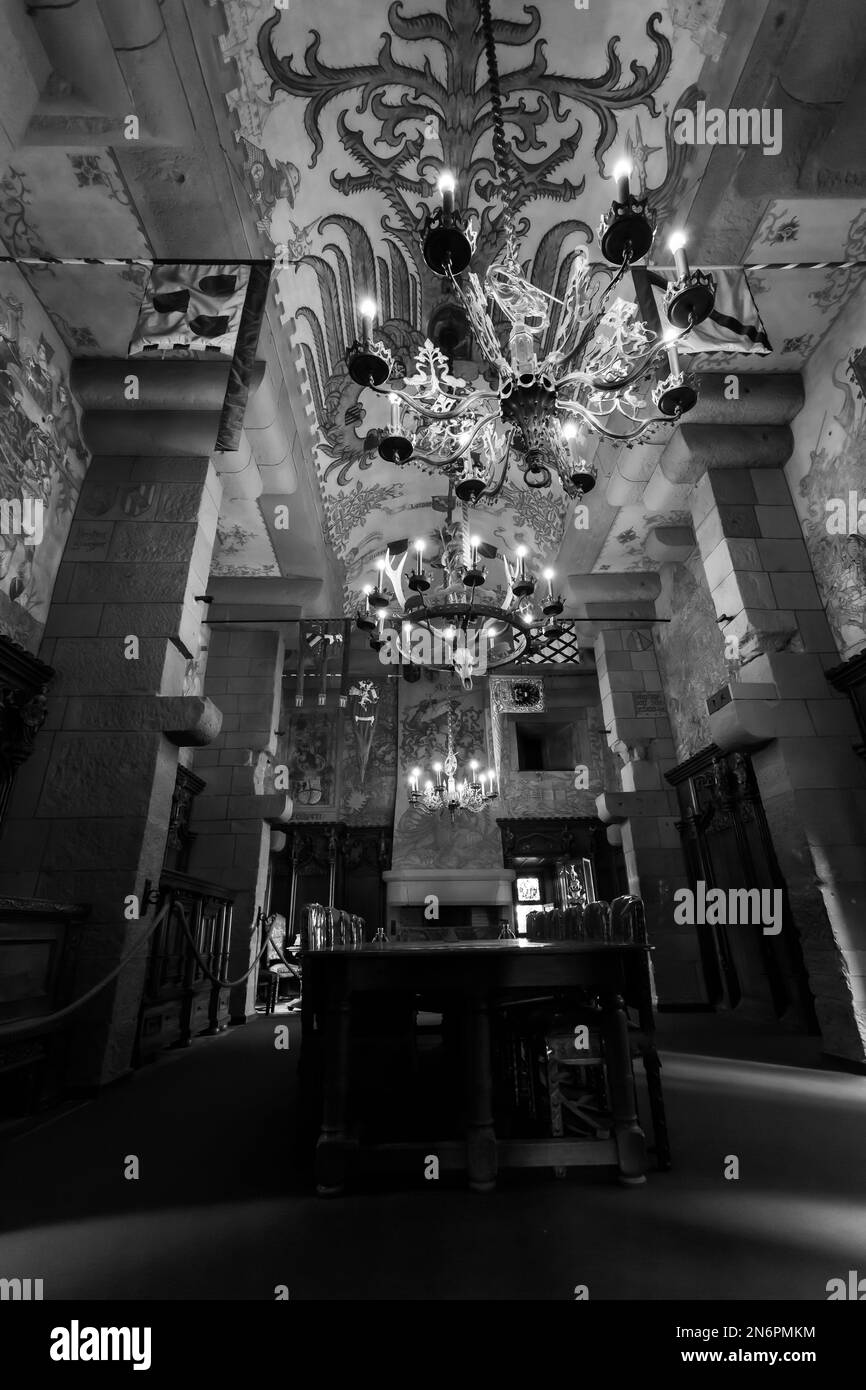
(470,887)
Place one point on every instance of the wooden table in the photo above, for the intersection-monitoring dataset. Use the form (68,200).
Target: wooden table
(618,975)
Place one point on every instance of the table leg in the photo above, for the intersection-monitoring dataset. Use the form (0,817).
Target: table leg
(480,1134)
(652,1067)
(630,1141)
(333,1143)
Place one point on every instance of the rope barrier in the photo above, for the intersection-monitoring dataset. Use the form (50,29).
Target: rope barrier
(21,1027)
(230,984)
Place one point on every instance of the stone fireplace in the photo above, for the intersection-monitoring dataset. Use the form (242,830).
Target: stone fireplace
(469,903)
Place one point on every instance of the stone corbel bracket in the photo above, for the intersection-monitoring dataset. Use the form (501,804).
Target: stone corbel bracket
(750,719)
(188,721)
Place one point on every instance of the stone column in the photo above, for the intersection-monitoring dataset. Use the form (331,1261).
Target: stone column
(233,816)
(782,710)
(642,812)
(89,816)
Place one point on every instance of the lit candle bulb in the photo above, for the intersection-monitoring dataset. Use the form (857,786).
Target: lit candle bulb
(481,783)
(395,413)
(419,551)
(474,542)
(521,555)
(368,589)
(569,434)
(413,779)
(437,768)
(492,775)
(367,310)
(676,243)
(473,768)
(670,341)
(447,185)
(622,174)
(548,574)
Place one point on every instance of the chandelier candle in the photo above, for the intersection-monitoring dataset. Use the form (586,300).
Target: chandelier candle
(671,340)
(447,185)
(395,413)
(367,310)
(676,244)
(622,173)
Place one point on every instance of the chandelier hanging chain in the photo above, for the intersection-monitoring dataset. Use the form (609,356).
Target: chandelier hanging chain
(504,167)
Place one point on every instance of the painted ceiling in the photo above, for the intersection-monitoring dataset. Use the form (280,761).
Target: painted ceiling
(343,128)
(344,119)
(342,115)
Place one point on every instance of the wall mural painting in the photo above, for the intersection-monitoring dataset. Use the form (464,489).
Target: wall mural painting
(340,142)
(691,656)
(835,470)
(42,460)
(368,782)
(311,758)
(422,840)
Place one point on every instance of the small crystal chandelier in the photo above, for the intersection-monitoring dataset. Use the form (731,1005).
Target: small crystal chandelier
(589,380)
(446,793)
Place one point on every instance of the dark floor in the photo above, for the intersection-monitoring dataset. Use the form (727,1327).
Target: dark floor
(219,1212)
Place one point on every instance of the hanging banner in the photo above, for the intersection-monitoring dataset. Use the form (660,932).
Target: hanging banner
(365,701)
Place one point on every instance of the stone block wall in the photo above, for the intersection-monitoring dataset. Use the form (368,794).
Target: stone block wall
(89,814)
(234,814)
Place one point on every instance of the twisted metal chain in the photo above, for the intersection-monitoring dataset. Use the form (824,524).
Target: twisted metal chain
(504,167)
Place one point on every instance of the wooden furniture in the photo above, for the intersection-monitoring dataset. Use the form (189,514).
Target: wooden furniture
(24,684)
(850,677)
(476,974)
(331,862)
(38,947)
(727,844)
(180,999)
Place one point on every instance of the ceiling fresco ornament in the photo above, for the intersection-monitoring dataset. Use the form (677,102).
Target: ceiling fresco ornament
(562,371)
(342,131)
(460,106)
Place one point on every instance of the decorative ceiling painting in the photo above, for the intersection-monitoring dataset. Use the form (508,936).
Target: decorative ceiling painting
(344,120)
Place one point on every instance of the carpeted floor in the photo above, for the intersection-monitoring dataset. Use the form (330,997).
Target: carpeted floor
(219,1212)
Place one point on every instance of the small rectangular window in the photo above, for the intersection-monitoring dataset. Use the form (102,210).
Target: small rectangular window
(528,890)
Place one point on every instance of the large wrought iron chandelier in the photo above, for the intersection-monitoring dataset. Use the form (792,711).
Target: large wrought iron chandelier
(557,384)
(445,793)
(474,616)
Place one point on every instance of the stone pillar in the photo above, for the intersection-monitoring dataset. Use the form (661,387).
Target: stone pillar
(89,816)
(233,816)
(798,730)
(642,812)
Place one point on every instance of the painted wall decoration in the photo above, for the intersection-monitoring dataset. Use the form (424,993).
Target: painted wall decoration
(42,458)
(311,757)
(367,798)
(828,462)
(691,656)
(321,751)
(342,129)
(421,840)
